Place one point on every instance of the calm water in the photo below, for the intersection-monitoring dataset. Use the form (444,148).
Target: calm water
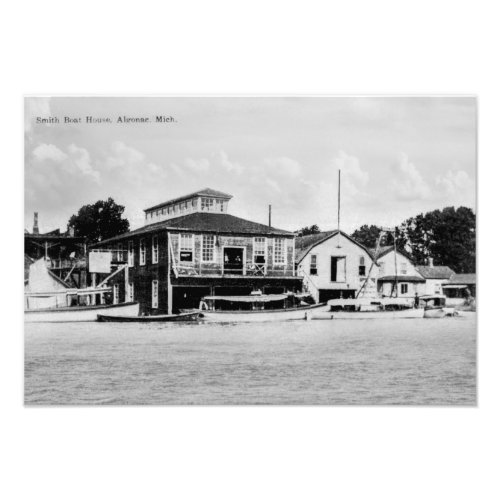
(380,362)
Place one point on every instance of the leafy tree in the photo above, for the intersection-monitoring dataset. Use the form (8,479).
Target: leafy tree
(448,236)
(99,221)
(314,229)
(368,236)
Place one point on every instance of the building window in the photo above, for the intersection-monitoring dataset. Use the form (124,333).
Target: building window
(154,249)
(142,252)
(313,269)
(116,293)
(130,255)
(362,267)
(207,203)
(404,267)
(437,289)
(259,250)
(163,211)
(193,202)
(119,252)
(279,251)
(154,294)
(207,249)
(404,288)
(338,269)
(186,248)
(131,292)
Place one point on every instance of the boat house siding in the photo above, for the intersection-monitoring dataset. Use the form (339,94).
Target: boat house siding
(151,256)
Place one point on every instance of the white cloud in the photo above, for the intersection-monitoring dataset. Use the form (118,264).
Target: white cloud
(353,178)
(407,182)
(227,164)
(81,158)
(45,152)
(455,183)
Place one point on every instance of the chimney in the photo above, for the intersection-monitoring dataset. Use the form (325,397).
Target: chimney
(35,223)
(430,260)
(269,215)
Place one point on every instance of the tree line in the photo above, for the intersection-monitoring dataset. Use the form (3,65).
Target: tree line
(448,236)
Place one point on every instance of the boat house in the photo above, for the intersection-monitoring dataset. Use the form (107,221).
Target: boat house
(191,247)
(334,266)
(397,275)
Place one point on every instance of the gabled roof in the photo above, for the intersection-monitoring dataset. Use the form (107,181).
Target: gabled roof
(435,272)
(202,192)
(205,222)
(463,279)
(382,251)
(304,244)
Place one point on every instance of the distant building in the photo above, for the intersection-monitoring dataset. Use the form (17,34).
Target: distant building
(435,277)
(191,247)
(63,253)
(333,265)
(459,286)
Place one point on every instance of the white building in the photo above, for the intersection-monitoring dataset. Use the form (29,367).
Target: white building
(397,276)
(435,277)
(334,265)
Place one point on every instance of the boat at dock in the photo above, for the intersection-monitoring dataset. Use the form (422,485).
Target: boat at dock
(366,308)
(79,313)
(257,308)
(50,299)
(297,313)
(158,318)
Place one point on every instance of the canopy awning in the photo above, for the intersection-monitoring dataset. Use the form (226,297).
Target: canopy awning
(454,286)
(404,278)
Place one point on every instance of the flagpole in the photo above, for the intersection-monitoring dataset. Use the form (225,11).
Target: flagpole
(338,212)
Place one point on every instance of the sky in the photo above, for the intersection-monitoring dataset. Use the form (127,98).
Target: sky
(398,156)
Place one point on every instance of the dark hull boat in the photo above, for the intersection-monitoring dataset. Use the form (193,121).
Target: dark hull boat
(160,318)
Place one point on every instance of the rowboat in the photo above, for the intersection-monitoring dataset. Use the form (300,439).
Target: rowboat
(366,308)
(160,318)
(79,313)
(260,315)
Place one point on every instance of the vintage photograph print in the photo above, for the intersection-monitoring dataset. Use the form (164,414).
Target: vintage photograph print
(307,250)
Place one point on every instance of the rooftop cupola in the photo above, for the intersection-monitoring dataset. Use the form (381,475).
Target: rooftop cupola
(204,200)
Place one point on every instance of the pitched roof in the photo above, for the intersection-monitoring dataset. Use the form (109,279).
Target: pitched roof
(435,272)
(382,251)
(463,279)
(205,222)
(202,192)
(304,244)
